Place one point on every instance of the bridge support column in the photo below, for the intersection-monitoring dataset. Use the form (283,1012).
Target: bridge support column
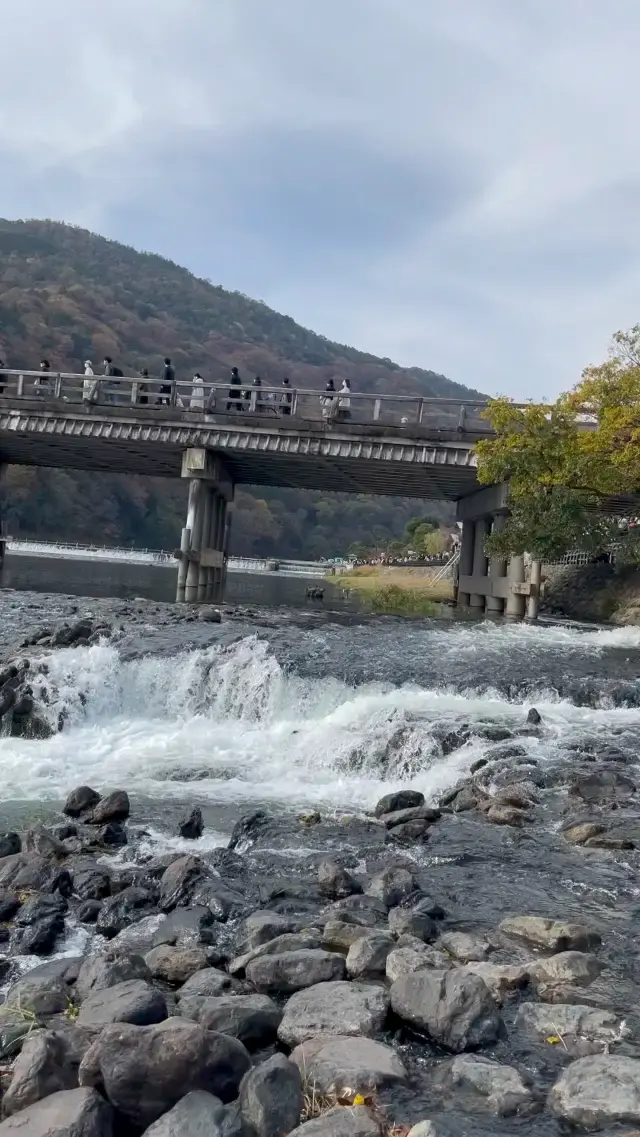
(497,570)
(203,571)
(202,557)
(477,599)
(465,566)
(514,608)
(193,571)
(533,599)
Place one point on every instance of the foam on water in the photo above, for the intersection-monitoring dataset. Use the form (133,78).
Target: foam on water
(230,719)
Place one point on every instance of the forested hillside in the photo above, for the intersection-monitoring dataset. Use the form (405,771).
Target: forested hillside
(70,295)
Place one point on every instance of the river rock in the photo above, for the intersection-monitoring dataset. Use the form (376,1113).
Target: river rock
(221,900)
(569,1021)
(38,839)
(176,964)
(408,833)
(30,872)
(339,936)
(184,927)
(404,960)
(271,1097)
(501,1086)
(10,844)
(70,1113)
(137,939)
(40,937)
(191,827)
(253,1019)
(580,833)
(178,881)
(367,957)
(120,911)
(603,786)
(114,807)
(576,967)
(402,799)
(130,1002)
(40,907)
(454,1007)
(505,815)
(291,941)
(99,972)
(333,1064)
(207,983)
(552,935)
(402,816)
(295,970)
(91,881)
(423,1129)
(464,947)
(9,905)
(146,1070)
(333,1008)
(367,909)
(392,885)
(48,1063)
(335,881)
(462,800)
(41,996)
(410,922)
(502,979)
(196,1114)
(342,1121)
(260,927)
(597,1091)
(80,801)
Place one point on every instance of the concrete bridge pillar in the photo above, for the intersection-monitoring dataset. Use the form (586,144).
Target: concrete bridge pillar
(202,558)
(465,566)
(497,571)
(515,605)
(482,526)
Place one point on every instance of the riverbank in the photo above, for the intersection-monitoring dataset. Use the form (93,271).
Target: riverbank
(398,591)
(598,593)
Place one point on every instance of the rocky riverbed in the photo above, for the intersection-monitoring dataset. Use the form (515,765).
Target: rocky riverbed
(288,892)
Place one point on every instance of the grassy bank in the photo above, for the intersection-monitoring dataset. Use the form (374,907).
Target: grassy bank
(397,591)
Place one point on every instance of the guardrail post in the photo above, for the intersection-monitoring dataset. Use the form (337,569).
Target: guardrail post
(420,409)
(376,409)
(57,386)
(20,386)
(462,417)
(294,403)
(134,392)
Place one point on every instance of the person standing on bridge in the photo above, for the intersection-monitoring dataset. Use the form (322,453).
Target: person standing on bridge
(143,388)
(344,399)
(3,378)
(167,385)
(327,399)
(286,398)
(235,391)
(42,385)
(90,385)
(196,402)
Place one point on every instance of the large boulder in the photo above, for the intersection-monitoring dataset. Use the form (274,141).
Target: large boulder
(367,957)
(80,801)
(335,881)
(253,1019)
(126,908)
(333,1008)
(208,983)
(137,938)
(392,885)
(597,1091)
(184,927)
(114,807)
(362,1065)
(39,996)
(91,881)
(197,1114)
(339,935)
(48,1063)
(402,816)
(294,970)
(176,964)
(178,882)
(603,786)
(99,972)
(146,1070)
(464,947)
(576,967)
(404,960)
(291,941)
(410,922)
(10,845)
(455,1008)
(402,799)
(271,1097)
(342,1121)
(260,927)
(502,979)
(552,935)
(69,1113)
(502,1087)
(569,1021)
(191,826)
(133,1001)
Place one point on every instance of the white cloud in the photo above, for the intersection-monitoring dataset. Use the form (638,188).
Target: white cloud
(153,119)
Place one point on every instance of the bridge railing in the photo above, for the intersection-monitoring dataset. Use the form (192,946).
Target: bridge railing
(183,396)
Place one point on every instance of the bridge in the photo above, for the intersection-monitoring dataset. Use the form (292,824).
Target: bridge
(407,446)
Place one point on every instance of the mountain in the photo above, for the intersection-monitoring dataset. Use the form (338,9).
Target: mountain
(67,294)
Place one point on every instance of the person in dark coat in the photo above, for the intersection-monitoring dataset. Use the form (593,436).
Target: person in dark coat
(168,380)
(286,398)
(3,378)
(327,399)
(235,391)
(143,389)
(42,385)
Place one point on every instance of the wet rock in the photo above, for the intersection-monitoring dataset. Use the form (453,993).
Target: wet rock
(295,970)
(614,844)
(534,718)
(408,832)
(568,967)
(209,982)
(402,799)
(520,795)
(29,872)
(410,922)
(248,828)
(9,904)
(72,1113)
(339,936)
(333,1008)
(209,615)
(196,1115)
(501,1086)
(455,1008)
(40,937)
(133,1001)
(37,839)
(579,834)
(505,815)
(184,927)
(88,911)
(423,1129)
(192,826)
(146,1070)
(335,881)
(10,844)
(391,885)
(366,910)
(114,807)
(291,941)
(462,801)
(502,979)
(402,816)
(126,908)
(569,1021)
(41,997)
(362,1065)
(176,964)
(603,786)
(91,881)
(100,972)
(178,882)
(112,834)
(367,957)
(253,1019)
(222,901)
(343,1121)
(137,938)
(271,1097)
(80,801)
(423,905)
(48,1063)
(597,1091)
(260,927)
(404,960)
(552,935)
(464,947)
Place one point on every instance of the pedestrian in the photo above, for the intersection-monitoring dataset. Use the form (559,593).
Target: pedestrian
(111,390)
(256,394)
(286,398)
(3,378)
(143,388)
(327,399)
(167,385)
(90,385)
(235,391)
(197,394)
(42,385)
(344,399)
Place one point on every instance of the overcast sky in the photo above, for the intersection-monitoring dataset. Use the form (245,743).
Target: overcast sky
(451,183)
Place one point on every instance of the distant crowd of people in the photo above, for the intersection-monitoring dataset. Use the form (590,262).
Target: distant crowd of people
(166,391)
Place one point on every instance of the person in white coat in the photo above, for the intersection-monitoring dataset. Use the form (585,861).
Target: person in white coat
(197,394)
(344,399)
(90,385)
